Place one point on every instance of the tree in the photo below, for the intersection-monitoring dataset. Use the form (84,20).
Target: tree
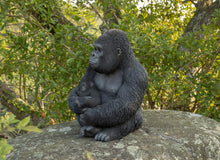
(39,46)
(203,15)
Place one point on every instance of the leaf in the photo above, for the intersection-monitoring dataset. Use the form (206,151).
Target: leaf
(70,60)
(23,123)
(31,129)
(5,148)
(14,121)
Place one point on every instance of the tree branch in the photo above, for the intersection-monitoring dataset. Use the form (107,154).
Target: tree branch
(150,100)
(94,9)
(16,16)
(57,17)
(213,60)
(39,25)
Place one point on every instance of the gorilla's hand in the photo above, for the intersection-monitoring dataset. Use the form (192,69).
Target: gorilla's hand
(87,116)
(75,103)
(72,101)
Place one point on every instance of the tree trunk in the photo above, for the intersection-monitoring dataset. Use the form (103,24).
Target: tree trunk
(202,16)
(12,102)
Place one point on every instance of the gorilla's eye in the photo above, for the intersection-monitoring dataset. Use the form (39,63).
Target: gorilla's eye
(97,49)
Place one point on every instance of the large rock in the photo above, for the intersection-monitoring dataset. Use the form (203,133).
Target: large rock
(165,135)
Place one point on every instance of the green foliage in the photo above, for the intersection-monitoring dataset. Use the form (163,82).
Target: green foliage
(38,61)
(4,148)
(183,71)
(22,125)
(10,127)
(44,55)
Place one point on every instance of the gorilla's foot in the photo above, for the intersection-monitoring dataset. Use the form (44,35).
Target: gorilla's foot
(108,134)
(89,131)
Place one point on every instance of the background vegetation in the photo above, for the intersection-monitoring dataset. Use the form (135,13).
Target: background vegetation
(45,46)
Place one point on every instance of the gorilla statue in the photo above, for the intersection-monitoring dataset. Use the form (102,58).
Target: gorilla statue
(121,82)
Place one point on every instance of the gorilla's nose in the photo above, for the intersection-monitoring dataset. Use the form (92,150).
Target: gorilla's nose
(93,54)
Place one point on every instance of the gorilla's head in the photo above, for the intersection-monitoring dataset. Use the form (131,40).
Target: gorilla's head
(85,88)
(110,50)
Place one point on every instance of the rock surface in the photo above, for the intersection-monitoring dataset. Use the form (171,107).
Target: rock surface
(165,135)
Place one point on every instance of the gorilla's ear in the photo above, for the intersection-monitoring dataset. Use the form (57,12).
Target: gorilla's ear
(119,51)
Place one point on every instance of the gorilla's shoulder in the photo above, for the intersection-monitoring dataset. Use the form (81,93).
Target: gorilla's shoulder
(136,72)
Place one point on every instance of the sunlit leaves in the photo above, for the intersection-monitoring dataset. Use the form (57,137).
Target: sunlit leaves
(5,148)
(23,125)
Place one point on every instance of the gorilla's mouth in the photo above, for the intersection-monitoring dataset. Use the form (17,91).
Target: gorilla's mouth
(93,64)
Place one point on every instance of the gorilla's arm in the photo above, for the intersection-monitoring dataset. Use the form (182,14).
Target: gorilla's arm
(75,102)
(126,104)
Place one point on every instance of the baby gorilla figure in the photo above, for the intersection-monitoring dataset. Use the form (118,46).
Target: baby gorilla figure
(88,90)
